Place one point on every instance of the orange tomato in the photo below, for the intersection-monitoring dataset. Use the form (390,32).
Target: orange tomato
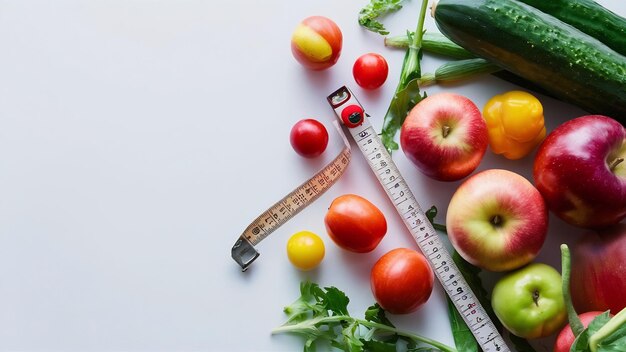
(355,224)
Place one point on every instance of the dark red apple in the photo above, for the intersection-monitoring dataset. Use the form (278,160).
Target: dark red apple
(598,279)
(580,171)
(445,136)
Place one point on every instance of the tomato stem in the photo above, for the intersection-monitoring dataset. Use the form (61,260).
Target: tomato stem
(572,316)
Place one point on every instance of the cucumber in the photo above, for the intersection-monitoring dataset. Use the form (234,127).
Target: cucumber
(566,62)
(589,17)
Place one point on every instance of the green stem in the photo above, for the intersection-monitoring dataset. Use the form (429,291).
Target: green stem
(572,316)
(419,31)
(459,70)
(411,67)
(435,43)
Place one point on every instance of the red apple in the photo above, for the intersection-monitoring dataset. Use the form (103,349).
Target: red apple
(565,338)
(445,136)
(580,172)
(497,220)
(599,270)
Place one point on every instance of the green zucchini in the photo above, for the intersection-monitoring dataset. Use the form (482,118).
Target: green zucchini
(568,63)
(589,17)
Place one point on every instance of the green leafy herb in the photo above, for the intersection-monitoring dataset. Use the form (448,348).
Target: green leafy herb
(407,93)
(321,315)
(368,16)
(604,334)
(376,314)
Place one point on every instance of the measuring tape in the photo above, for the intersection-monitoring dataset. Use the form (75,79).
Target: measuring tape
(243,251)
(352,115)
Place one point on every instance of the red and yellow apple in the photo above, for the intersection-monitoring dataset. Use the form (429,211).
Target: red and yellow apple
(497,220)
(316,43)
(599,270)
(445,136)
(580,171)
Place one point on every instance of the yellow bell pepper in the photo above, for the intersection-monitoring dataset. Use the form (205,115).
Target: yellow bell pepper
(515,123)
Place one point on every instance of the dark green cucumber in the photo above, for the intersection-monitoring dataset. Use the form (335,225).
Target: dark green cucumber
(589,17)
(566,62)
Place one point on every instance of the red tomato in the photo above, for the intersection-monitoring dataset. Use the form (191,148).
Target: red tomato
(401,281)
(370,71)
(355,224)
(309,138)
(316,43)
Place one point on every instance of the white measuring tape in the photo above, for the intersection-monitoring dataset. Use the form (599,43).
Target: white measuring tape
(352,115)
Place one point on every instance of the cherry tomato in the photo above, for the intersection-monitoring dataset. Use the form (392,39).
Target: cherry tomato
(309,138)
(305,250)
(401,281)
(316,43)
(370,71)
(355,224)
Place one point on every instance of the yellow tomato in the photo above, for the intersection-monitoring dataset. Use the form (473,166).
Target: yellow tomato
(305,250)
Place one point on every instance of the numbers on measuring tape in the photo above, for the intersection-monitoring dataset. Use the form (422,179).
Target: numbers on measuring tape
(416,221)
(243,251)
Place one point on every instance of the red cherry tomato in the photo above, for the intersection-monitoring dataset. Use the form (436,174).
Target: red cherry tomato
(401,281)
(370,71)
(355,224)
(309,138)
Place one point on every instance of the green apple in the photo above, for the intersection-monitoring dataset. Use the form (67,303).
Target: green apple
(529,301)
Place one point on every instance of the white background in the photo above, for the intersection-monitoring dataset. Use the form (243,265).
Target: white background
(137,141)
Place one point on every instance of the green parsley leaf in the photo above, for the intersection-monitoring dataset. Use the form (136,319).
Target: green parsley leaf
(376,314)
(327,320)
(336,301)
(373,10)
(378,346)
(306,305)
